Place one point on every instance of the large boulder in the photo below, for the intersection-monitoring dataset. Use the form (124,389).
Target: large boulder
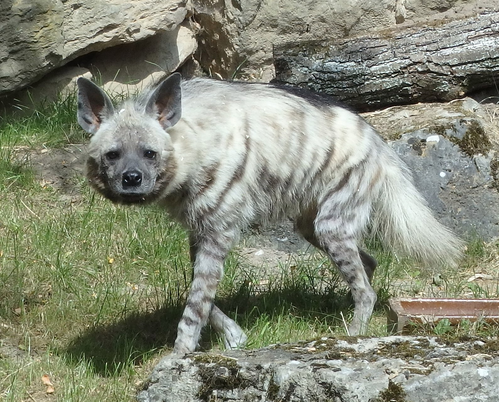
(129,68)
(237,37)
(37,37)
(400,65)
(416,369)
(452,149)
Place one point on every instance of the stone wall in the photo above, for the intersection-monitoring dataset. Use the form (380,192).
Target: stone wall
(224,38)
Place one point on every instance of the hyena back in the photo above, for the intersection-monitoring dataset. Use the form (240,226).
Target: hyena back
(219,156)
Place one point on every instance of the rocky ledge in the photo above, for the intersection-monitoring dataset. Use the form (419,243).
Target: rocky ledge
(395,368)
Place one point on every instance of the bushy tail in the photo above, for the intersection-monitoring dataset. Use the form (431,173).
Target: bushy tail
(404,222)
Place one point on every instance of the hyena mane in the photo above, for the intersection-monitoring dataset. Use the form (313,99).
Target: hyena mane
(220,156)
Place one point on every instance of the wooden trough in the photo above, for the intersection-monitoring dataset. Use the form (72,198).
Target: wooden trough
(403,311)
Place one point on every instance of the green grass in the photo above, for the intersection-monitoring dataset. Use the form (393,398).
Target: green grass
(51,124)
(91,293)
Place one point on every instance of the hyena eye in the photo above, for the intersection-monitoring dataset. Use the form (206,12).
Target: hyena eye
(112,155)
(149,154)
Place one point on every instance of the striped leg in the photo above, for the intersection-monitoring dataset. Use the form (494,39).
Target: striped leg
(337,229)
(232,334)
(305,225)
(207,255)
(344,253)
(334,228)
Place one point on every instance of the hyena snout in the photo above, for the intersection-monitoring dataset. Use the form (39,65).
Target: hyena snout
(131,178)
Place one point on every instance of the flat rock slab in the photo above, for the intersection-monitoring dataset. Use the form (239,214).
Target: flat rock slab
(396,368)
(38,37)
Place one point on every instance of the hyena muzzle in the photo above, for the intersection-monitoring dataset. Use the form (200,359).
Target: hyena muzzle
(220,156)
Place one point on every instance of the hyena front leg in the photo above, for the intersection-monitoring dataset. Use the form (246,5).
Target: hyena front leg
(336,228)
(207,256)
(231,333)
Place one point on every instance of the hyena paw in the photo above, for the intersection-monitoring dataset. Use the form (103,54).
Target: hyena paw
(357,327)
(231,333)
(234,337)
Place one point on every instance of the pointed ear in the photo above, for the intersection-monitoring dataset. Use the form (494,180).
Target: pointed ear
(94,106)
(165,103)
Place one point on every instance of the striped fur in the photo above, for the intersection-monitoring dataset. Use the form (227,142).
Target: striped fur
(219,156)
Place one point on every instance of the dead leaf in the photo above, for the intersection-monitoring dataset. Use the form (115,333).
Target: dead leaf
(46,380)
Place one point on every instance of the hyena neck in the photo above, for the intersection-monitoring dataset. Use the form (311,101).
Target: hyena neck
(175,203)
(182,186)
(182,162)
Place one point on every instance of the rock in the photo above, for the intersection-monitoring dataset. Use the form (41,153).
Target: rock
(129,68)
(38,37)
(400,65)
(238,37)
(235,38)
(452,150)
(58,84)
(121,70)
(416,369)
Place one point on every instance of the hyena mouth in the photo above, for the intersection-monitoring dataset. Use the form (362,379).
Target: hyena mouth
(133,198)
(134,188)
(136,197)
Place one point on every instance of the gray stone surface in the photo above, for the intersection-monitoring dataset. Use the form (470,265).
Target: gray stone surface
(452,150)
(416,369)
(239,36)
(235,38)
(37,37)
(458,187)
(418,63)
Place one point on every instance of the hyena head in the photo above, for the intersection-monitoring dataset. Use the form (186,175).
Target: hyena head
(130,157)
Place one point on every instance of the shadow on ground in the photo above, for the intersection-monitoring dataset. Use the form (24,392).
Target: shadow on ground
(110,348)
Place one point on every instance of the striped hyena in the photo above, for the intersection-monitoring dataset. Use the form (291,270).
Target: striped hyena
(219,156)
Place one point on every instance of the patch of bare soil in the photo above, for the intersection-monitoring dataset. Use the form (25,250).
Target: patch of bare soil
(60,168)
(9,342)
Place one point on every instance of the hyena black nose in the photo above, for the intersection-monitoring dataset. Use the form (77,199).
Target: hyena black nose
(131,178)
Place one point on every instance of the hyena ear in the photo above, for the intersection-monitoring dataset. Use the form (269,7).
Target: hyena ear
(165,102)
(94,106)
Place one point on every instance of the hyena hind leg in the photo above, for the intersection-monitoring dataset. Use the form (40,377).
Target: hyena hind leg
(232,334)
(305,225)
(369,263)
(336,236)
